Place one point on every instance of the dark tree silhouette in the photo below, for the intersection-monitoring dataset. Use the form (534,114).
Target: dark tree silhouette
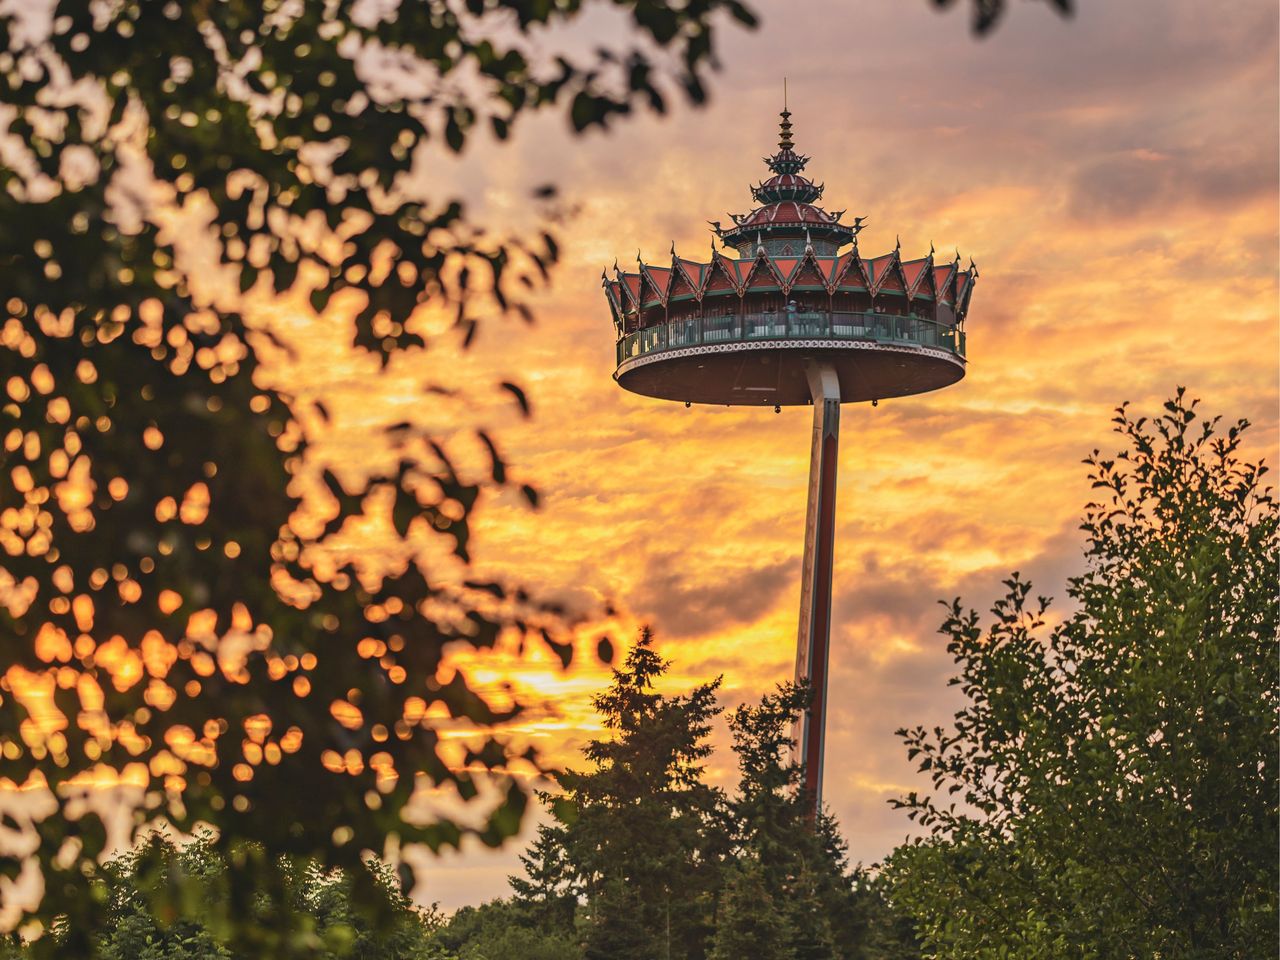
(988,13)
(646,834)
(809,898)
(645,859)
(163,611)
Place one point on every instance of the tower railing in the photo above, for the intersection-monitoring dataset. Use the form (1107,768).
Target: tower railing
(786,325)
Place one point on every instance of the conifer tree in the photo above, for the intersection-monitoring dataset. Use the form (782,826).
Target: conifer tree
(647,836)
(546,893)
(751,923)
(833,912)
(645,861)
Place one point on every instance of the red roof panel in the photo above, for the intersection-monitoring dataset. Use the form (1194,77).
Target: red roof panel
(942,280)
(785,266)
(695,270)
(914,269)
(877,267)
(807,274)
(788,211)
(720,278)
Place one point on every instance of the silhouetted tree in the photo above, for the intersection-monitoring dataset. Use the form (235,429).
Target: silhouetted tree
(166,604)
(750,922)
(645,833)
(1108,789)
(548,891)
(645,858)
(830,910)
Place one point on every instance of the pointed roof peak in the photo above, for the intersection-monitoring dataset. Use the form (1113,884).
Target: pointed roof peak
(786,160)
(784,138)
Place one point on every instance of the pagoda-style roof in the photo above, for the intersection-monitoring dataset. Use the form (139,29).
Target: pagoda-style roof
(789,245)
(887,275)
(785,212)
(787,209)
(787,186)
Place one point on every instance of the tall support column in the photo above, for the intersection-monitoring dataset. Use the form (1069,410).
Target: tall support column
(813,643)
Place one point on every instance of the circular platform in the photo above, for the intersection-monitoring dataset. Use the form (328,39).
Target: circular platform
(760,359)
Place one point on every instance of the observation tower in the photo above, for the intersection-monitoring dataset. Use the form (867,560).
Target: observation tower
(780,316)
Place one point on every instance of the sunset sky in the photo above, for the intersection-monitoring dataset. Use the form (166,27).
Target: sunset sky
(1114,176)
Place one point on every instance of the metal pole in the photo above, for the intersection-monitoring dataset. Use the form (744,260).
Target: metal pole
(814,640)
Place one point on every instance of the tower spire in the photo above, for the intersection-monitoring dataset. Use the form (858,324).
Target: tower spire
(784,140)
(786,160)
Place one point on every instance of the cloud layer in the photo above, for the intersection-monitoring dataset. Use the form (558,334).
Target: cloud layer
(1115,178)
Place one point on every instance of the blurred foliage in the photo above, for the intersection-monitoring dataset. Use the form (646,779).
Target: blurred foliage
(988,13)
(171,622)
(144,919)
(1109,788)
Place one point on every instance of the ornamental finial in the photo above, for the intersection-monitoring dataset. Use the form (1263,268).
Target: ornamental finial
(786,160)
(784,141)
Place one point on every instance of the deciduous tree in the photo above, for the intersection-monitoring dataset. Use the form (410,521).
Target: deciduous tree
(146,917)
(502,930)
(1108,789)
(169,611)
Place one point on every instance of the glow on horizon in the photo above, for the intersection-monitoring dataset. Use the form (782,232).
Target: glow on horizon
(1114,177)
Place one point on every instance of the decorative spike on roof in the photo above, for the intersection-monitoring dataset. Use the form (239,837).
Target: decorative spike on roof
(786,210)
(786,160)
